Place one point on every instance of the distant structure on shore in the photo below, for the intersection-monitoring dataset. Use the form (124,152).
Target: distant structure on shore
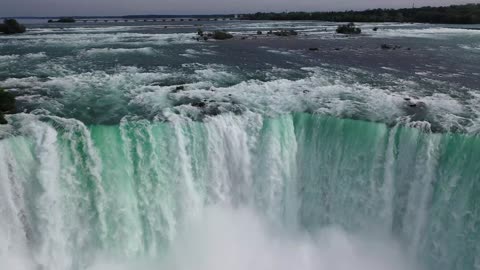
(145,18)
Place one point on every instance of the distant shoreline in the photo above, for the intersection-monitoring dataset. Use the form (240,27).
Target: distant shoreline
(454,14)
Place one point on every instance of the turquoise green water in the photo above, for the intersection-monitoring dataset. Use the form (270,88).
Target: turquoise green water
(71,195)
(137,147)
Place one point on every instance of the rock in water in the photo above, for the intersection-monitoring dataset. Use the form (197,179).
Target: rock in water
(348,29)
(285,33)
(3,121)
(11,26)
(386,46)
(7,102)
(7,105)
(390,47)
(221,35)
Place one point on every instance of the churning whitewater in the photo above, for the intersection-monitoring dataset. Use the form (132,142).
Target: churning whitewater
(139,147)
(235,192)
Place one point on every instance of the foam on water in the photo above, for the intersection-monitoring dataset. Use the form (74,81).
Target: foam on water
(35,55)
(472,47)
(475,109)
(427,32)
(280,52)
(191,53)
(104,51)
(92,40)
(9,60)
(8,57)
(322,91)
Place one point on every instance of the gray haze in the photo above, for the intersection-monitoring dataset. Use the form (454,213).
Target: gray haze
(17,8)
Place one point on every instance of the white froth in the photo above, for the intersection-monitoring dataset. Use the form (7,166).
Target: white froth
(36,55)
(280,52)
(425,32)
(103,51)
(97,39)
(192,53)
(322,91)
(471,47)
(15,57)
(9,57)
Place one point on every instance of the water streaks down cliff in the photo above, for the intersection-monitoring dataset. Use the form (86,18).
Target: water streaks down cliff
(237,192)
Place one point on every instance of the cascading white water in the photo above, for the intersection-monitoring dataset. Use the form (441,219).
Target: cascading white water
(234,192)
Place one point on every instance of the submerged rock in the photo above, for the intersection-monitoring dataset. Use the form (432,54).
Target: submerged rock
(390,47)
(7,102)
(418,104)
(285,33)
(415,107)
(11,26)
(199,104)
(178,89)
(3,121)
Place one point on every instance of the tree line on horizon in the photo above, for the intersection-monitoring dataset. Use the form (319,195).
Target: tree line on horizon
(455,14)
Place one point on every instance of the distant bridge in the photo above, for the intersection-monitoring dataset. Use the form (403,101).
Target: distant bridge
(152,20)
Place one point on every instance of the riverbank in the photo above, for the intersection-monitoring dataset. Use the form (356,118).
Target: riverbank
(454,14)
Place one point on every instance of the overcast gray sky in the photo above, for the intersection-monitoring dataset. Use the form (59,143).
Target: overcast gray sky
(17,8)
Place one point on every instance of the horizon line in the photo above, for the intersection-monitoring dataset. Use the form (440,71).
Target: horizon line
(219,14)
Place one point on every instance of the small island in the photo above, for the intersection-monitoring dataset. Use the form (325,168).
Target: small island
(348,29)
(11,26)
(217,35)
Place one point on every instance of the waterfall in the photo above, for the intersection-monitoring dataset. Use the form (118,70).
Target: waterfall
(300,187)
